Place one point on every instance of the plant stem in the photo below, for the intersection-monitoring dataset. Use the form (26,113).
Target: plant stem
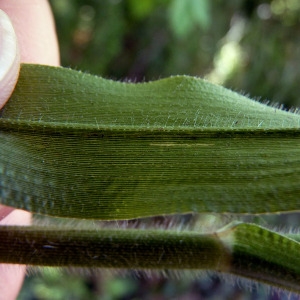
(246,250)
(133,249)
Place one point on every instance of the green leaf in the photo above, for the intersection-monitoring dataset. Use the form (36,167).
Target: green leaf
(76,145)
(263,255)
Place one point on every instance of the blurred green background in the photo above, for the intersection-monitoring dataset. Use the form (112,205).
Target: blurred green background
(249,46)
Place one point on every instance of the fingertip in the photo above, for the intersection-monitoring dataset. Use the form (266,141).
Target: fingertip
(9,58)
(35,30)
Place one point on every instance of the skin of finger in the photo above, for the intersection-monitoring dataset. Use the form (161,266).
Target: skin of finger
(9,58)
(35,30)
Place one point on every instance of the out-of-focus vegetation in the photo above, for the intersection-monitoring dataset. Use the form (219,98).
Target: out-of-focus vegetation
(247,45)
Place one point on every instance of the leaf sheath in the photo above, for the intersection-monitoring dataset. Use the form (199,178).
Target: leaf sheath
(131,249)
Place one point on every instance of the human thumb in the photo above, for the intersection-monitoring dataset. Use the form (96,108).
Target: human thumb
(9,58)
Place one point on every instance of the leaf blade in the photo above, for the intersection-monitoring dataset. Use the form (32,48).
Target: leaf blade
(57,160)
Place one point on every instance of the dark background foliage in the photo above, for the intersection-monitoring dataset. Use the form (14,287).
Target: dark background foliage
(251,46)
